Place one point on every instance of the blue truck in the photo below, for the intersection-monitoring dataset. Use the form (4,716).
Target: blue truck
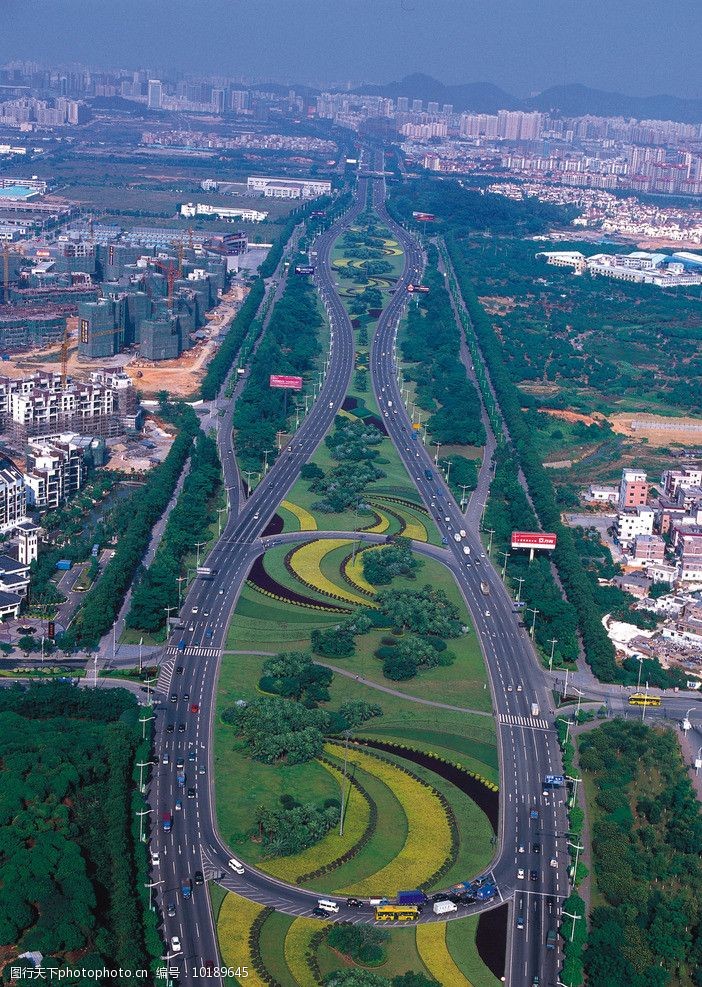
(414,897)
(180,778)
(64,564)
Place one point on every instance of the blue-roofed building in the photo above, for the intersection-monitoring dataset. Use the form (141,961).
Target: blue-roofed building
(688,259)
(18,193)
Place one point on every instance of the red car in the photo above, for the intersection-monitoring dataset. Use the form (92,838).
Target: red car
(194,708)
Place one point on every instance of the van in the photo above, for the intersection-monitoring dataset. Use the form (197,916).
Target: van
(236,866)
(328,906)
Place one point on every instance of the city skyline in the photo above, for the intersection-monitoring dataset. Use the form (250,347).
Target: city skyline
(617,48)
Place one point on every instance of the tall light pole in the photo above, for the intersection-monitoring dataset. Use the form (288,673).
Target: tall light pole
(580,699)
(141,765)
(144,720)
(505,556)
(447,464)
(553,642)
(168,616)
(575,788)
(151,886)
(520,580)
(141,813)
(265,458)
(343,781)
(199,545)
(248,474)
(464,501)
(575,919)
(534,611)
(148,683)
(220,511)
(436,457)
(639,658)
(568,724)
(491,532)
(141,645)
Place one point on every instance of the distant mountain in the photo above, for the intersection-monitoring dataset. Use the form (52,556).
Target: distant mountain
(570,100)
(575,100)
(481,96)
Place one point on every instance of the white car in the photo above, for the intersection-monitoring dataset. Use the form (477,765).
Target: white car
(236,865)
(154,857)
(196,610)
(175,944)
(520,848)
(487,613)
(520,874)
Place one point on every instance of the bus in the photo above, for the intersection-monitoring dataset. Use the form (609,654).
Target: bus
(396,913)
(641,699)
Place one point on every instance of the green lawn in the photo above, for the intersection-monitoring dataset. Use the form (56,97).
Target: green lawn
(272,946)
(401,956)
(460,939)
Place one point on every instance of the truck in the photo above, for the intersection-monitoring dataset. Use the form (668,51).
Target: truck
(167,822)
(414,897)
(534,709)
(180,778)
(551,939)
(463,533)
(554,781)
(487,892)
(484,588)
(429,475)
(205,572)
(181,645)
(456,536)
(240,371)
(64,564)
(466,549)
(443,907)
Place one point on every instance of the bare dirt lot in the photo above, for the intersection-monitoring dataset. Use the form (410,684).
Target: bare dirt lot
(659,430)
(573,416)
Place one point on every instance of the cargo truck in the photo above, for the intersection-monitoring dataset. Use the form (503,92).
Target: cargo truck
(456,536)
(534,709)
(443,907)
(484,588)
(466,549)
(551,938)
(414,897)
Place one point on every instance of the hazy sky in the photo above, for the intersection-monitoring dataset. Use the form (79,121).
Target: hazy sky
(640,47)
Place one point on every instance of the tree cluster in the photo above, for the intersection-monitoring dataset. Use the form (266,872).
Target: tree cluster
(186,523)
(645,840)
(361,943)
(223,359)
(293,675)
(380,566)
(432,341)
(292,826)
(276,729)
(424,611)
(343,486)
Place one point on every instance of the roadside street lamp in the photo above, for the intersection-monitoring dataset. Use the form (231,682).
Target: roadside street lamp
(568,724)
(265,455)
(154,884)
(553,642)
(491,532)
(144,720)
(575,919)
(141,765)
(141,645)
(220,511)
(534,611)
(148,683)
(639,658)
(436,457)
(180,580)
(447,464)
(575,788)
(141,813)
(520,580)
(464,501)
(505,556)
(168,616)
(580,699)
(199,545)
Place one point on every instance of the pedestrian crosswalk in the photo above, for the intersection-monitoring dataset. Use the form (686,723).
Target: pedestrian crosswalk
(530,722)
(198,652)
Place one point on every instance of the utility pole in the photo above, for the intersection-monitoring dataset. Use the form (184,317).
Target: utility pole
(447,464)
(141,645)
(279,439)
(533,622)
(553,642)
(520,580)
(643,708)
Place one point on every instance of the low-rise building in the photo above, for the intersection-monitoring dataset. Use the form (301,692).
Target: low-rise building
(601,495)
(14,581)
(630,524)
(648,549)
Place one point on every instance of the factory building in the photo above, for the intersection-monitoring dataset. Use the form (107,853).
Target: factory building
(287,188)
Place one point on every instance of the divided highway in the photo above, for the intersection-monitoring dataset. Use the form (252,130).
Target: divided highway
(188,680)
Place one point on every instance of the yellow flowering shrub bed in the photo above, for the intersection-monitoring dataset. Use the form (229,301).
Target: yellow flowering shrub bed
(236,916)
(297,943)
(305,563)
(305,519)
(435,955)
(420,857)
(353,568)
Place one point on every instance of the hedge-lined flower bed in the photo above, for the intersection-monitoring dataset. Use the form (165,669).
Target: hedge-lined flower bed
(435,955)
(304,563)
(236,918)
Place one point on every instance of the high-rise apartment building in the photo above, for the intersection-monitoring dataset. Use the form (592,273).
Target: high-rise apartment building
(154,97)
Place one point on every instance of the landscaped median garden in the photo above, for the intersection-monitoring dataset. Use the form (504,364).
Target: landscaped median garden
(301,952)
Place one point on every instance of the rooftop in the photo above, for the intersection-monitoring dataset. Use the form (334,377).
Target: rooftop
(18,193)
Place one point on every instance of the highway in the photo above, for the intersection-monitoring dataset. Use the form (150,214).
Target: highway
(188,680)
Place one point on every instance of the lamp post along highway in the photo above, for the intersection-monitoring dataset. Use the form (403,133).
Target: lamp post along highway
(436,457)
(575,919)
(464,500)
(220,511)
(553,642)
(505,556)
(199,545)
(167,611)
(533,611)
(141,813)
(141,765)
(520,580)
(144,720)
(491,532)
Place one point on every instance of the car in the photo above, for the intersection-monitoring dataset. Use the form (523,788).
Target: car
(205,613)
(444,541)
(170,728)
(192,627)
(174,697)
(192,754)
(194,708)
(551,901)
(179,670)
(191,793)
(520,848)
(536,848)
(178,805)
(257,515)
(195,610)
(535,982)
(186,696)
(487,613)
(553,862)
(386,414)
(520,874)
(208,632)
(509,688)
(320,913)
(236,865)
(477,561)
(354,903)
(199,878)
(201,769)
(165,757)
(520,921)
(221,592)
(534,814)
(533,875)
(519,688)
(175,944)
(180,762)
(154,857)
(181,728)
(171,910)
(185,889)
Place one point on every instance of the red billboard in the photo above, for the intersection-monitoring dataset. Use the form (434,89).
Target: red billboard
(533,539)
(417,287)
(285,381)
(424,217)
